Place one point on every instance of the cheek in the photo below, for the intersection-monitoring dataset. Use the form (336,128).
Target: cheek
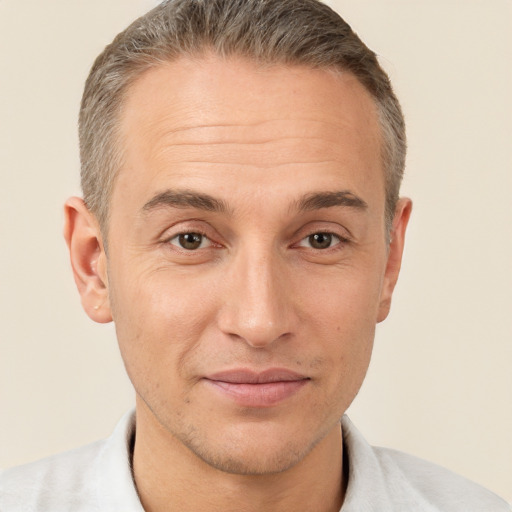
(341,311)
(343,299)
(159,319)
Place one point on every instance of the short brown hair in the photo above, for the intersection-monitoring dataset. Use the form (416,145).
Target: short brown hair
(303,32)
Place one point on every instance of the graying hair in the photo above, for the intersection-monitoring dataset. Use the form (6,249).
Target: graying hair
(290,32)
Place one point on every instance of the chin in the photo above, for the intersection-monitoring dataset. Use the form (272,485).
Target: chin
(254,449)
(252,460)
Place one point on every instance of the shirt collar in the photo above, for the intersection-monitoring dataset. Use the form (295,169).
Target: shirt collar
(374,483)
(116,487)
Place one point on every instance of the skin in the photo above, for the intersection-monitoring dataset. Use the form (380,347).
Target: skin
(282,153)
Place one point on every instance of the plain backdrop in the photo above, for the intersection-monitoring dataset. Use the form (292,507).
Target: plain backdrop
(440,382)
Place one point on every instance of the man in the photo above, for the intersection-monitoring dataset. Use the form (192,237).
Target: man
(241,225)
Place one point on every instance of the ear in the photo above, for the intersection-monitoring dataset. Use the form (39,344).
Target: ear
(88,259)
(395,251)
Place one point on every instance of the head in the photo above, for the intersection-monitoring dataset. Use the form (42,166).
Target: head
(291,32)
(239,163)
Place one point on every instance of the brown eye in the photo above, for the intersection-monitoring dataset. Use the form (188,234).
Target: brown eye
(320,240)
(189,241)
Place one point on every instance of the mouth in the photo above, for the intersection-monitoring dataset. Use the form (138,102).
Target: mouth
(249,388)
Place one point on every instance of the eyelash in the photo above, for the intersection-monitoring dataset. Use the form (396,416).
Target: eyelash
(191,232)
(341,241)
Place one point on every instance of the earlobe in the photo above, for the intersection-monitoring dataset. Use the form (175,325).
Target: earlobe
(395,252)
(88,259)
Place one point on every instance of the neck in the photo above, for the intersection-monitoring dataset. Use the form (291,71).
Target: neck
(169,477)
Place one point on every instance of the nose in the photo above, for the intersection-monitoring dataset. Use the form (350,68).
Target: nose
(257,307)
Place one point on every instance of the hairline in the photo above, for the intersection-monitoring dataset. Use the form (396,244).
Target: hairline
(138,71)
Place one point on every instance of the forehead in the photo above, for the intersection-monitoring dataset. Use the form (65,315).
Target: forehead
(212,119)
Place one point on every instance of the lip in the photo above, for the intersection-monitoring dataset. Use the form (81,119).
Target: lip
(258,389)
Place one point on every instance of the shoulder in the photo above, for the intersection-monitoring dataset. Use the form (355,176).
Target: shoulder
(61,482)
(439,486)
(385,480)
(96,477)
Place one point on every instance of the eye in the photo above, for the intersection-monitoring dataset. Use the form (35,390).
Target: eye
(190,241)
(320,241)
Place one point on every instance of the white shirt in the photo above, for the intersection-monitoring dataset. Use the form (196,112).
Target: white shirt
(98,477)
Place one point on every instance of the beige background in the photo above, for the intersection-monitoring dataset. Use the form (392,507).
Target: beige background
(440,384)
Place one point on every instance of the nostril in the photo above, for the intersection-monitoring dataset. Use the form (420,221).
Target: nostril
(257,307)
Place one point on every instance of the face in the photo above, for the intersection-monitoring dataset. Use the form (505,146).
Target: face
(247,263)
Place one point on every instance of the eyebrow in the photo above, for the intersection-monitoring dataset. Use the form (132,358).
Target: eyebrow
(319,200)
(185,199)
(309,202)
